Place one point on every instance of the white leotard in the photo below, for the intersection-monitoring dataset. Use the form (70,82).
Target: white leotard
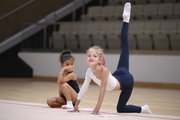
(111,83)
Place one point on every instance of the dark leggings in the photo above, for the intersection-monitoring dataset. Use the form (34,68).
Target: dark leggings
(124,76)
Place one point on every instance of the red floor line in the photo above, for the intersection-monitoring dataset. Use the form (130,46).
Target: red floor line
(120,114)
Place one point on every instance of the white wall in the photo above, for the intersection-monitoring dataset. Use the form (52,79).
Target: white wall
(145,68)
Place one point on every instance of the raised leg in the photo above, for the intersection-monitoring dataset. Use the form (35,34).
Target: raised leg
(124,57)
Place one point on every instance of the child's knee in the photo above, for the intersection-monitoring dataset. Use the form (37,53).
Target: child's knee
(120,109)
(64,86)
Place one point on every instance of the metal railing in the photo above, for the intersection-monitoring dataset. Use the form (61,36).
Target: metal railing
(40,25)
(15,10)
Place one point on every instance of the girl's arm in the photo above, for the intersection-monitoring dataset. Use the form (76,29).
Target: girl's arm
(68,77)
(65,77)
(84,87)
(82,91)
(104,78)
(76,108)
(60,76)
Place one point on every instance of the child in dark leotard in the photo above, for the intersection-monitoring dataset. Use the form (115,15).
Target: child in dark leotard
(68,85)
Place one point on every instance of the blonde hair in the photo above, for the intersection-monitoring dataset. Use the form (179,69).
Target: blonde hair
(100,53)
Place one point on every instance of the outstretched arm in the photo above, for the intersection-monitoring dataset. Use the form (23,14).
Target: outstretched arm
(104,78)
(76,108)
(82,92)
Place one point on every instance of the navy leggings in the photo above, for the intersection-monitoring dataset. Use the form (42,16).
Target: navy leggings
(124,76)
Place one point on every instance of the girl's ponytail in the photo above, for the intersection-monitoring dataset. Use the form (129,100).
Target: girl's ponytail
(104,62)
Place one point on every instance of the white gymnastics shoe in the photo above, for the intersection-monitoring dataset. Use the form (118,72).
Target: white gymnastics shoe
(127,12)
(145,109)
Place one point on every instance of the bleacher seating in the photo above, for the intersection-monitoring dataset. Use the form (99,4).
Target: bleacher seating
(143,2)
(61,37)
(176,10)
(149,11)
(154,26)
(93,12)
(138,12)
(144,38)
(113,36)
(175,42)
(144,34)
(162,37)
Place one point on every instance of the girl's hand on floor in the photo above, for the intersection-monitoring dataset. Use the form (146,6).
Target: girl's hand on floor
(76,109)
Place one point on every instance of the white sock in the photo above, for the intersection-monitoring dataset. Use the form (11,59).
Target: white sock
(145,109)
(127,12)
(68,105)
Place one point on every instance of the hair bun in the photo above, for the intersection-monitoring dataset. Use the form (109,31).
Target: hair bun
(66,52)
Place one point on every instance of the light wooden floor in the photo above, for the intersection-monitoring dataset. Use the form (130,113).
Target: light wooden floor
(161,101)
(15,110)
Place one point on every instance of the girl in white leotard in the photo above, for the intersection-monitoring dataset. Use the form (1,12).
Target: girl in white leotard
(120,79)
